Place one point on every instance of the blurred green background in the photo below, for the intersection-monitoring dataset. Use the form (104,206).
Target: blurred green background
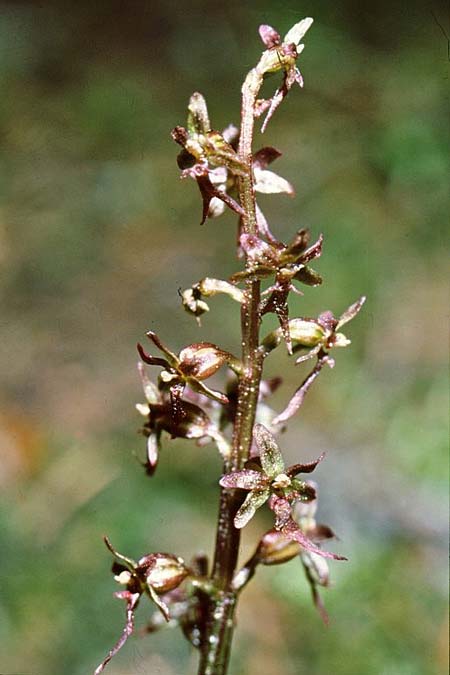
(97,234)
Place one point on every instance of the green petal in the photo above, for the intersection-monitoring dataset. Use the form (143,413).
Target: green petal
(252,502)
(198,119)
(271,458)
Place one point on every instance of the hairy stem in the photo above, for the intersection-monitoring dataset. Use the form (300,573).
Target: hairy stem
(218,633)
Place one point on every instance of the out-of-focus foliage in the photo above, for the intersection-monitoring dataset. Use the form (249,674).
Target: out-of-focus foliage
(97,234)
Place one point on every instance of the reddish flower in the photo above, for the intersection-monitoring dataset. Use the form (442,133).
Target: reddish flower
(272,480)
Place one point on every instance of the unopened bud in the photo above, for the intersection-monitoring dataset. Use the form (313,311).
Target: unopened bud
(198,118)
(306,332)
(275,549)
(162,571)
(201,360)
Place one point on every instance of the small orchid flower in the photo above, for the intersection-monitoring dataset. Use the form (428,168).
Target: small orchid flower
(272,480)
(318,335)
(207,156)
(153,575)
(274,548)
(190,421)
(212,160)
(314,565)
(191,366)
(281,55)
(288,263)
(285,524)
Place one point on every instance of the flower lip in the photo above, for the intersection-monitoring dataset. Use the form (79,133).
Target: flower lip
(281,481)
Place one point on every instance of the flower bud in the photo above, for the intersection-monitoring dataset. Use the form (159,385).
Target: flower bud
(201,360)
(279,57)
(198,118)
(192,303)
(275,549)
(162,571)
(306,332)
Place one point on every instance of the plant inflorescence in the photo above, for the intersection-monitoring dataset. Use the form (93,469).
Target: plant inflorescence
(199,597)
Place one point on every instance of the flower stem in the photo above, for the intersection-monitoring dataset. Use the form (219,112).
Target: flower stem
(219,625)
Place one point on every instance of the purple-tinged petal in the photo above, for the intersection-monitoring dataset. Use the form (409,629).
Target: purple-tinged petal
(299,396)
(314,251)
(245,480)
(328,321)
(307,467)
(252,502)
(315,593)
(297,77)
(274,103)
(310,355)
(263,226)
(281,509)
(351,312)
(271,458)
(291,530)
(261,105)
(132,602)
(269,36)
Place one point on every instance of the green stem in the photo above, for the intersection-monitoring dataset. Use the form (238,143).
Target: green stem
(219,626)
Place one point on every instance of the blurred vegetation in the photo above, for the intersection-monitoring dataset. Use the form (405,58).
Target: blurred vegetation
(96,235)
